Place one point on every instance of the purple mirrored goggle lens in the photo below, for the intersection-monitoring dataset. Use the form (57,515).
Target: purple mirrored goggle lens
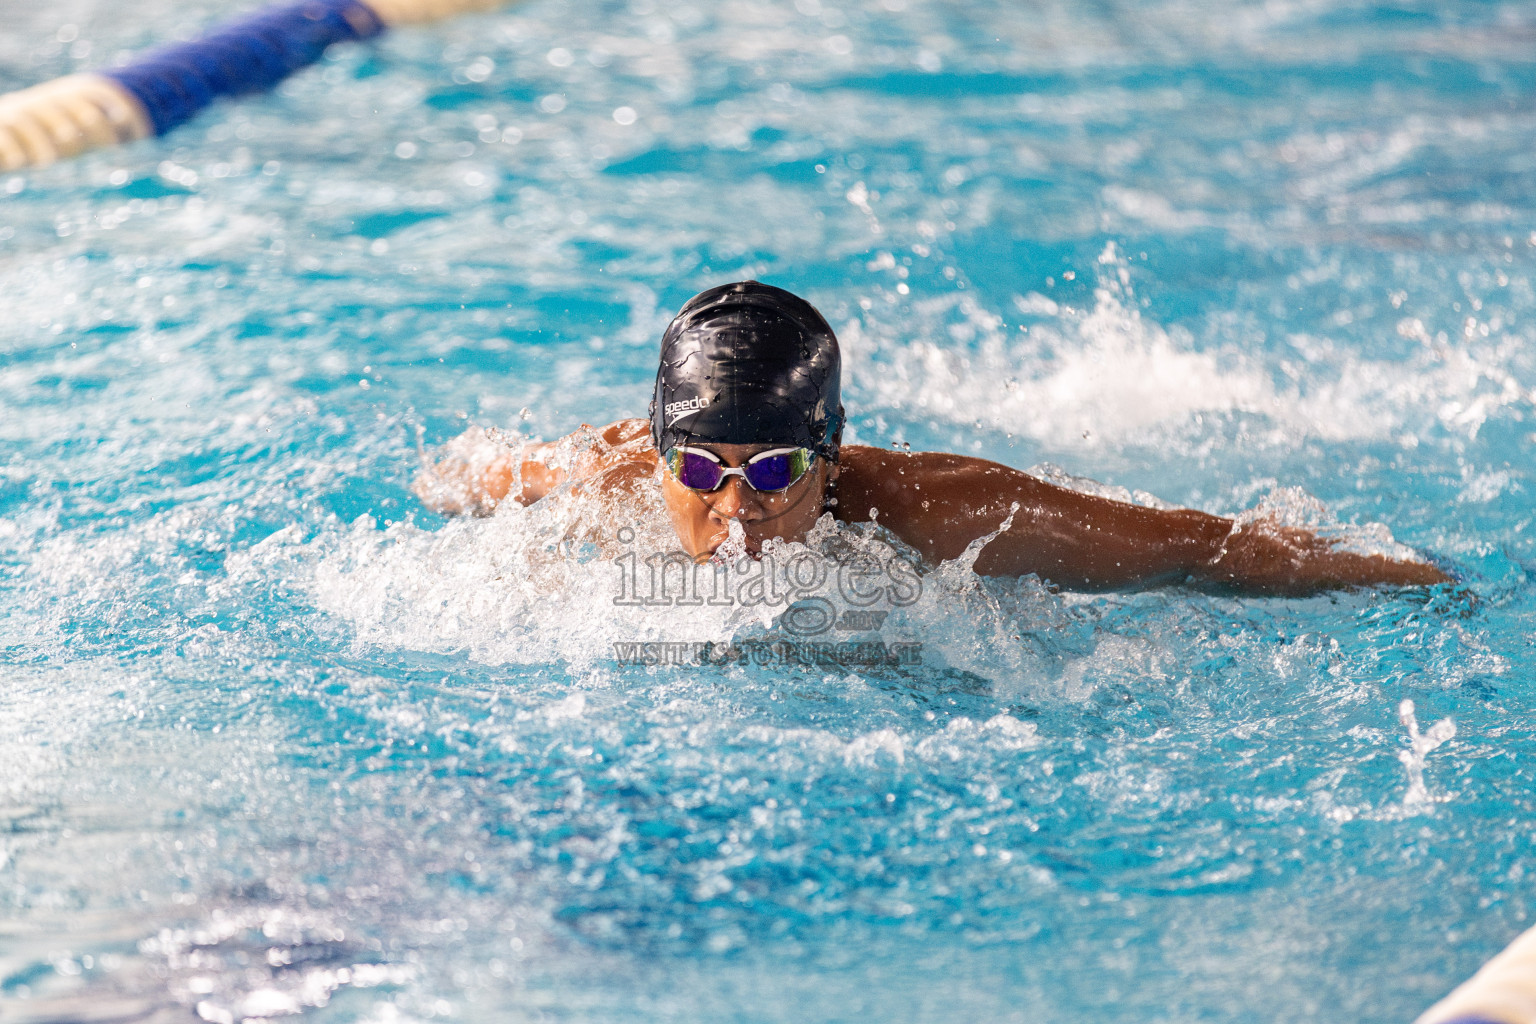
(774,470)
(694,470)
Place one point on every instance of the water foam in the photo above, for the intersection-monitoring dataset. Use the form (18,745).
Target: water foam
(579,579)
(1108,376)
(1419,747)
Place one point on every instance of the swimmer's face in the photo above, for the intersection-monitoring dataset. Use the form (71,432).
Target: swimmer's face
(702,519)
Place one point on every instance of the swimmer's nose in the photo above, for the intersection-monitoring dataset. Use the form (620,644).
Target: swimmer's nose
(736,500)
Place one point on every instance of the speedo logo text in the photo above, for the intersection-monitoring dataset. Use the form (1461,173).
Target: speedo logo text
(676,410)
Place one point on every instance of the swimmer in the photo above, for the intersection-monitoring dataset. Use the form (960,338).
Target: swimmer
(746,427)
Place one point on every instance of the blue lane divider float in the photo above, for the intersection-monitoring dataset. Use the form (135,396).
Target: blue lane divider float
(251,55)
(167,87)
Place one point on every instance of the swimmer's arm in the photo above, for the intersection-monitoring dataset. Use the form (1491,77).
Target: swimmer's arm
(471,479)
(940,503)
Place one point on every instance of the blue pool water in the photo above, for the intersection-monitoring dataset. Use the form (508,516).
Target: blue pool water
(274,741)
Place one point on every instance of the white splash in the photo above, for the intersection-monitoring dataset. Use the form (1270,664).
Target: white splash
(1107,375)
(1419,746)
(563,581)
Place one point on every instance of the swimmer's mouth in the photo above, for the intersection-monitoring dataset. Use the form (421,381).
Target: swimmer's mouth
(751,547)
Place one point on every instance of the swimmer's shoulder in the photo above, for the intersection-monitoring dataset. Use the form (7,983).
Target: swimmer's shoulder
(927,490)
(631,456)
(627,431)
(870,478)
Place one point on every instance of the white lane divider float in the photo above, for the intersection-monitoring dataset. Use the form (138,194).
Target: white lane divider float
(1503,992)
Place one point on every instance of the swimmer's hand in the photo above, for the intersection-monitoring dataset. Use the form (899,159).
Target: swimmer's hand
(479,470)
(1267,558)
(471,475)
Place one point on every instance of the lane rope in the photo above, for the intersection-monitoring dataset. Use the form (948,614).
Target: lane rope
(167,87)
(1503,992)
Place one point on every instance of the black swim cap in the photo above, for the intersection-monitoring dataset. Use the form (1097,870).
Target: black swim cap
(748,363)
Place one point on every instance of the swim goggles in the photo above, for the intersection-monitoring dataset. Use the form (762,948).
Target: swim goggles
(775,470)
